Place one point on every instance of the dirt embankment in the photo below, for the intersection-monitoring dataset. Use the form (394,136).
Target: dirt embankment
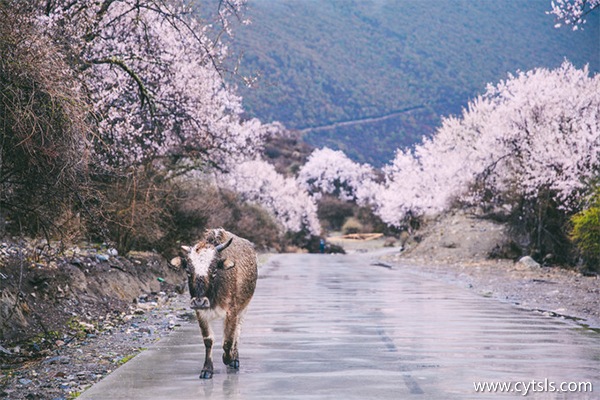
(70,317)
(42,295)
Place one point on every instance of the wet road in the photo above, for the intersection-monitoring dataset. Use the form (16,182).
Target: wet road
(339,327)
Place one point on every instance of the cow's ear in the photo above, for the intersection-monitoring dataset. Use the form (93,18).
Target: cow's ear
(180,262)
(226,264)
(176,262)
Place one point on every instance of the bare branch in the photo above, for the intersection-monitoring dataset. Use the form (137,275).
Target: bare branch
(144,92)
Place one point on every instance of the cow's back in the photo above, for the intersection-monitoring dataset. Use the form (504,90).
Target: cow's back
(241,269)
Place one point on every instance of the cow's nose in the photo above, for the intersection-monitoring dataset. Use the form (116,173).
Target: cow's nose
(200,303)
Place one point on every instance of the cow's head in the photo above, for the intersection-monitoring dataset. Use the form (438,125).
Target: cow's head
(201,262)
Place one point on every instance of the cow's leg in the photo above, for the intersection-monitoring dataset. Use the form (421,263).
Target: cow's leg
(231,335)
(208,337)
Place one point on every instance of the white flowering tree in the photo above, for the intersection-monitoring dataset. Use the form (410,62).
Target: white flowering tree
(153,75)
(572,12)
(257,181)
(332,172)
(536,131)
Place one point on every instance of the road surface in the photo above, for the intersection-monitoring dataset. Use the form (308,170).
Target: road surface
(341,327)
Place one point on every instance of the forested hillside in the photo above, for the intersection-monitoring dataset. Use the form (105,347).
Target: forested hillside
(392,68)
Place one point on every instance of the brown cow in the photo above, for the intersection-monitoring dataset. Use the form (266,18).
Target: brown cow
(222,274)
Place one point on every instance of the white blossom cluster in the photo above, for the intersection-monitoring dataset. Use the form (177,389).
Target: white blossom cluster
(154,79)
(538,130)
(330,171)
(572,12)
(257,181)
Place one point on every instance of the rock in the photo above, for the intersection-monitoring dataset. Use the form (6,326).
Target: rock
(84,375)
(149,306)
(171,324)
(148,330)
(77,262)
(102,257)
(389,242)
(87,327)
(57,360)
(528,262)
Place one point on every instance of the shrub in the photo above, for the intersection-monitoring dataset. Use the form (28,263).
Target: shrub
(352,225)
(585,233)
(145,211)
(43,128)
(135,210)
(332,212)
(538,226)
(371,222)
(199,204)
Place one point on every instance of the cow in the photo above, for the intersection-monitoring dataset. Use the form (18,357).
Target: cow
(222,273)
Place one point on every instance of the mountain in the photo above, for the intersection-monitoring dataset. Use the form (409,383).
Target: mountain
(369,76)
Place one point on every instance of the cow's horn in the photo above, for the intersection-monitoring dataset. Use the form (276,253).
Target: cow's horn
(223,246)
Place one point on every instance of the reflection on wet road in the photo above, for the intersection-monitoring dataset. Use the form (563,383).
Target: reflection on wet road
(337,327)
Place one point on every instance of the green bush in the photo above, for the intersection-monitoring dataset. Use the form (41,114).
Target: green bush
(586,233)
(352,225)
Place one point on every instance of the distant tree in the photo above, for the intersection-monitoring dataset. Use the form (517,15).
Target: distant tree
(572,12)
(257,181)
(332,172)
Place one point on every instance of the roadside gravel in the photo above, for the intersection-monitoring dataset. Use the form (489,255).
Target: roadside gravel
(553,291)
(76,363)
(456,248)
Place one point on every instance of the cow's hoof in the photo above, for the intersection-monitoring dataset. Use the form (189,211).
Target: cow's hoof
(234,364)
(206,374)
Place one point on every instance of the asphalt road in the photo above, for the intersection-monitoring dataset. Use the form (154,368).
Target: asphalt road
(340,327)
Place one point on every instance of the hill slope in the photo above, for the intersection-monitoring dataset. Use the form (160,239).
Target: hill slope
(389,69)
